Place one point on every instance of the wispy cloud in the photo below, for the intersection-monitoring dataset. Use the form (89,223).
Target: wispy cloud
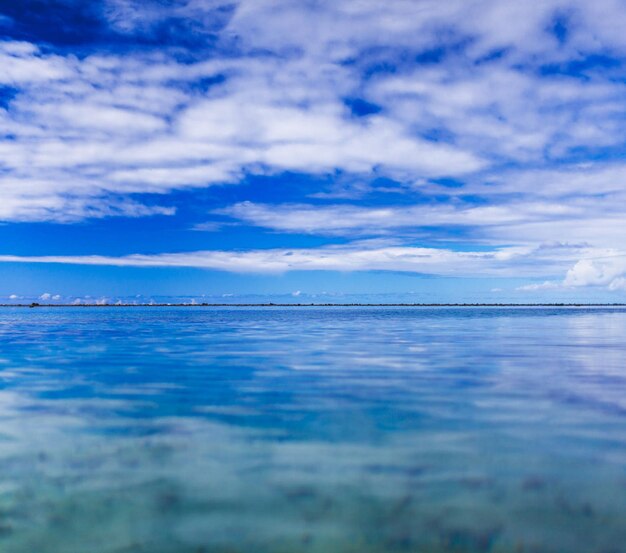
(528,218)
(351,219)
(572,267)
(357,256)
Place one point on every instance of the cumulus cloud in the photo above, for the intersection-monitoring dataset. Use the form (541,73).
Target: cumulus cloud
(600,268)
(608,271)
(47,296)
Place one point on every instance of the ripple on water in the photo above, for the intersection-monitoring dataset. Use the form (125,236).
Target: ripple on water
(314,430)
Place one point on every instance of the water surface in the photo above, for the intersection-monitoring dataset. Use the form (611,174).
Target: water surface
(225,430)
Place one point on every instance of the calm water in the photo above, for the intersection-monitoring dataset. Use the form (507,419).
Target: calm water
(190,430)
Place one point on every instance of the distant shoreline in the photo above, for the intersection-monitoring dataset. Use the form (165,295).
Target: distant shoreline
(270,304)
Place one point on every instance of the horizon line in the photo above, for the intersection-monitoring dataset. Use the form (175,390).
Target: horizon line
(272,304)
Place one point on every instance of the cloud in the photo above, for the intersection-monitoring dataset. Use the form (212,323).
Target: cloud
(601,268)
(618,283)
(210,226)
(356,256)
(547,285)
(267,93)
(351,219)
(47,297)
(179,22)
(489,126)
(520,29)
(602,271)
(281,134)
(597,268)
(105,126)
(23,64)
(48,206)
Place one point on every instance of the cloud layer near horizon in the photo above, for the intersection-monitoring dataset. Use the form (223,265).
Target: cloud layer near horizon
(604,267)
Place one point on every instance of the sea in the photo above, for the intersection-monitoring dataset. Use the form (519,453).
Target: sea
(312,429)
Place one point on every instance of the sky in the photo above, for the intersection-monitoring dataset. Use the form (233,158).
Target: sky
(312,150)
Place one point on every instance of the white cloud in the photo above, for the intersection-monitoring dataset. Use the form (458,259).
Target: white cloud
(22,64)
(68,208)
(116,125)
(547,285)
(618,283)
(207,227)
(350,219)
(76,118)
(594,268)
(285,136)
(599,268)
(345,27)
(87,130)
(156,177)
(608,270)
(356,256)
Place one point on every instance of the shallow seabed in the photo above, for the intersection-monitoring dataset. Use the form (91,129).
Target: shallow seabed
(327,430)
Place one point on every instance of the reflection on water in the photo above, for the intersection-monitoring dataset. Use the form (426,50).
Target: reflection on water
(312,430)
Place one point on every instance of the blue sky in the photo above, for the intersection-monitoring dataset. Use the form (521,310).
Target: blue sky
(413,150)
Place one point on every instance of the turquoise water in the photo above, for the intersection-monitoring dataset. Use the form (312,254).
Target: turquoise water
(189,430)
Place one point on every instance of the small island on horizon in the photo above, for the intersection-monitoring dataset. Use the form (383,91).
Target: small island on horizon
(273,304)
